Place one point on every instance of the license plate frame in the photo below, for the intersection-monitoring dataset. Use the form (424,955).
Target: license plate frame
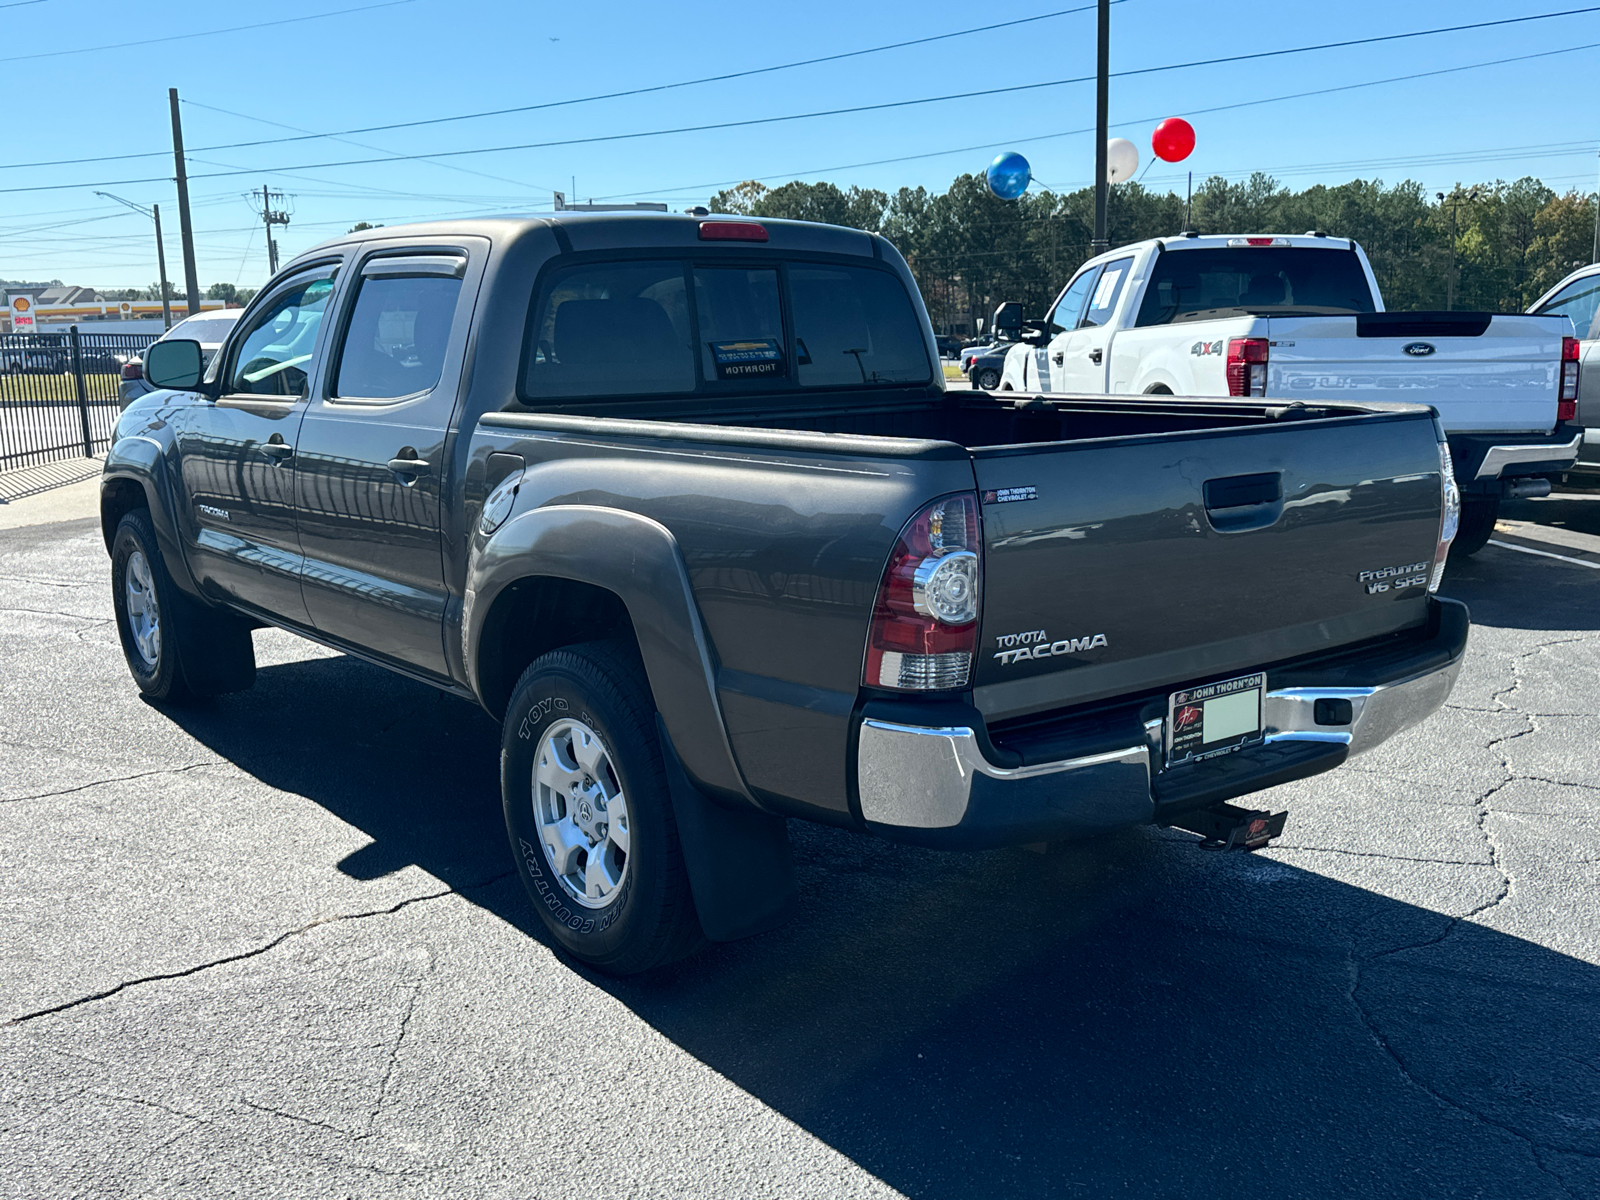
(1197,706)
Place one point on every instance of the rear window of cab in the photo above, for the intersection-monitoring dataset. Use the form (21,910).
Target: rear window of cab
(666,327)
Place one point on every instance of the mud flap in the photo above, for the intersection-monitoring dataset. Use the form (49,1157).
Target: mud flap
(215,651)
(741,871)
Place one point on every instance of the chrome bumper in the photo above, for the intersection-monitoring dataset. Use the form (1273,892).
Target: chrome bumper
(930,778)
(1498,458)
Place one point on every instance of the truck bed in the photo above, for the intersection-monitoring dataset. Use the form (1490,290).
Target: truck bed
(1155,541)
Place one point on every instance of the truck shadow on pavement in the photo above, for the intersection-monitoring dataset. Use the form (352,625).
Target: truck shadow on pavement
(1129,1015)
(1512,590)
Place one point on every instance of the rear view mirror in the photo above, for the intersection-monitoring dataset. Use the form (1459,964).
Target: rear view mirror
(174,364)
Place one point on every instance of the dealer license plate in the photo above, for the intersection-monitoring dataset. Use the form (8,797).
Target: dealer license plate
(1217,718)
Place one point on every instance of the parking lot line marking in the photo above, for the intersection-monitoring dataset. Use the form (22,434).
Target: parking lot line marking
(1577,562)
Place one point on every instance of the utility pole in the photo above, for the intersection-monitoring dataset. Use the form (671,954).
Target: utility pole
(161,266)
(1454,204)
(272,216)
(191,277)
(1102,91)
(161,253)
(1595,255)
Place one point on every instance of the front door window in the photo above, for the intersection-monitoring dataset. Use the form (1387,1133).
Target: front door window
(274,355)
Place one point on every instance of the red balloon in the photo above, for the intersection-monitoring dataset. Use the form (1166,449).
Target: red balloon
(1173,140)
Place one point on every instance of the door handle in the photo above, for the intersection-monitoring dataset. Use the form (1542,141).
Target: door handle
(277,450)
(1094,355)
(1058,358)
(410,466)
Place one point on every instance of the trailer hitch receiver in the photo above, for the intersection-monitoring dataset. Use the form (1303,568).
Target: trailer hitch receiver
(1225,827)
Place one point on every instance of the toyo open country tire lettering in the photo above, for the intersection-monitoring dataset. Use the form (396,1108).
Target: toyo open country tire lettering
(176,647)
(588,812)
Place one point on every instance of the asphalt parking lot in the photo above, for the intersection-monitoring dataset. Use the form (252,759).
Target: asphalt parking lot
(274,946)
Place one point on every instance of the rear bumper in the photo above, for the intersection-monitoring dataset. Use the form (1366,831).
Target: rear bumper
(937,784)
(1482,460)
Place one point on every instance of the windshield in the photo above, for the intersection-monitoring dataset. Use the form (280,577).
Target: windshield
(1190,285)
(206,330)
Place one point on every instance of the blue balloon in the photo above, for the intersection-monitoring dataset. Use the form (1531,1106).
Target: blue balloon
(1009,175)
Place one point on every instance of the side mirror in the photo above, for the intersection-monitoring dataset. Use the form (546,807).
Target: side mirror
(174,364)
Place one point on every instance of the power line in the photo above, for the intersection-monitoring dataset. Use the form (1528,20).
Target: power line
(755,121)
(1229,59)
(64,162)
(364,146)
(1021,141)
(179,37)
(1208,62)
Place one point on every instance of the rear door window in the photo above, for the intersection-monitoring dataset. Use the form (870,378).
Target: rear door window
(855,326)
(397,336)
(612,329)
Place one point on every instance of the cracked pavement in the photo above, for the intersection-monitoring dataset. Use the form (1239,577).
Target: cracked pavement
(275,945)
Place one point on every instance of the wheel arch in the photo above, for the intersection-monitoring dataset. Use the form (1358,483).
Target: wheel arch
(596,572)
(135,476)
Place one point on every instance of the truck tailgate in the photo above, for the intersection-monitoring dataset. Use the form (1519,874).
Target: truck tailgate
(1114,566)
(1483,373)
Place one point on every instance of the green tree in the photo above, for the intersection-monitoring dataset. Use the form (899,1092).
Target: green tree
(360,225)
(223,291)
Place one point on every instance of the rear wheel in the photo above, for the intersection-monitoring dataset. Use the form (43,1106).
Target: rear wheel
(588,811)
(987,379)
(1478,515)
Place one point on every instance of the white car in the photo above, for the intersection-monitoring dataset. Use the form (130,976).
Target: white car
(1577,297)
(210,329)
(1301,318)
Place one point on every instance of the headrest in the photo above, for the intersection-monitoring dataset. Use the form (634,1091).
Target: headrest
(628,329)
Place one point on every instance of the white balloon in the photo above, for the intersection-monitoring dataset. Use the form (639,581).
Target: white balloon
(1122,160)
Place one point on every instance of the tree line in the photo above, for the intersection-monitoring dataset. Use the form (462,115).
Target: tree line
(1490,247)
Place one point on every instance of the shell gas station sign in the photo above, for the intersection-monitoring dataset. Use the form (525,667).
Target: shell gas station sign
(22,314)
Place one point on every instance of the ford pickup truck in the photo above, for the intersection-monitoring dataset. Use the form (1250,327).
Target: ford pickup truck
(1300,317)
(685,505)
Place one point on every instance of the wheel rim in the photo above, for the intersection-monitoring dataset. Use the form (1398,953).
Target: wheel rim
(144,614)
(581,813)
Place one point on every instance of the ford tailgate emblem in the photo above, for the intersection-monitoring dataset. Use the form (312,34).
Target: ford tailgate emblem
(1417,349)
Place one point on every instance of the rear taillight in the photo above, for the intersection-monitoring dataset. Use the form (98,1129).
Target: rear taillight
(133,370)
(925,622)
(1247,366)
(1449,514)
(1567,399)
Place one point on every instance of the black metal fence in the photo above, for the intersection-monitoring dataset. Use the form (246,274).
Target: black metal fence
(58,393)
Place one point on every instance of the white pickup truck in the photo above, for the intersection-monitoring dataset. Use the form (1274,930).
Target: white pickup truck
(1300,318)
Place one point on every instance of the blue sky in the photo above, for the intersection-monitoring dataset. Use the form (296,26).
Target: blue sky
(422,59)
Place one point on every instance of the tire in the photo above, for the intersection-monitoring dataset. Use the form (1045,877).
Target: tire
(177,649)
(580,738)
(986,380)
(1478,515)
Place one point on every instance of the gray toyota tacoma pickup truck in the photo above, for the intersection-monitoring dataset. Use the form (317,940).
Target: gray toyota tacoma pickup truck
(684,504)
